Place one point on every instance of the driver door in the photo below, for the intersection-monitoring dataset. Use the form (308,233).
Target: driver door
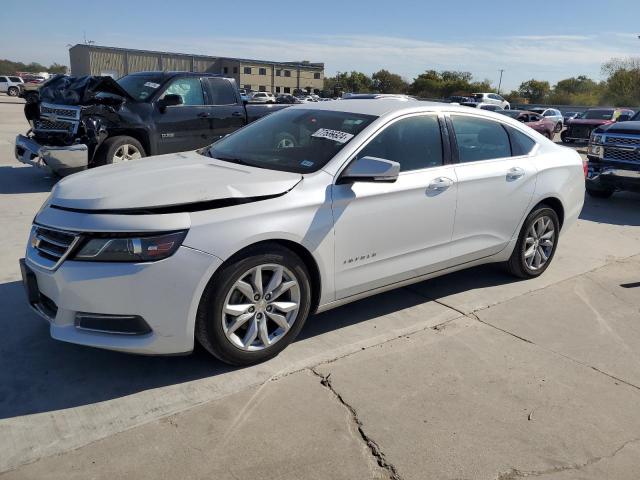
(389,232)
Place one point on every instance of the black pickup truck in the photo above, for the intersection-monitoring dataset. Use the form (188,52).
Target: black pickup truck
(83,122)
(614,158)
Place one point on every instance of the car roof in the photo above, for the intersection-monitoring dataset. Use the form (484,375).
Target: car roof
(383,106)
(176,73)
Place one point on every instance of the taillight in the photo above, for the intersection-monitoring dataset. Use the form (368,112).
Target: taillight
(585,166)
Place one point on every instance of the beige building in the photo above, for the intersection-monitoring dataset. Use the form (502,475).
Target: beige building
(257,75)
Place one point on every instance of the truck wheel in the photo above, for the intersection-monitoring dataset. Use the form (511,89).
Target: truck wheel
(599,192)
(13,91)
(285,140)
(118,150)
(563,137)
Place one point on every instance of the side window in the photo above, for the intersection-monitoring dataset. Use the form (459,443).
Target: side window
(413,142)
(549,113)
(480,139)
(521,144)
(494,96)
(3,79)
(189,88)
(15,79)
(221,92)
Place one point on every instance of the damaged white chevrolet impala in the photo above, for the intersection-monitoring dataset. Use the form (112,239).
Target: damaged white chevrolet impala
(302,211)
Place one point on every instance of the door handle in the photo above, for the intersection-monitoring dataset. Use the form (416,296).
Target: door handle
(440,183)
(204,115)
(237,114)
(515,173)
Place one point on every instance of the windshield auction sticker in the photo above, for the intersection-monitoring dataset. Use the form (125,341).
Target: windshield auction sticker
(335,135)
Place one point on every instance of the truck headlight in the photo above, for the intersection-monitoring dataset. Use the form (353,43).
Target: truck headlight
(595,146)
(129,248)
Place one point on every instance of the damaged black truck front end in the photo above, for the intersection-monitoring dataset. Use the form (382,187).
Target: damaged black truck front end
(85,122)
(71,121)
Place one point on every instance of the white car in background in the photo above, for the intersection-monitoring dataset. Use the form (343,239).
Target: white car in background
(492,98)
(262,97)
(10,85)
(236,244)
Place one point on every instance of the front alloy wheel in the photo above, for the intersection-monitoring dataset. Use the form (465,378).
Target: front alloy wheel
(255,305)
(261,307)
(125,153)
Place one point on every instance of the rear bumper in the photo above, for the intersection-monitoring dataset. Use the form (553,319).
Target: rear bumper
(61,160)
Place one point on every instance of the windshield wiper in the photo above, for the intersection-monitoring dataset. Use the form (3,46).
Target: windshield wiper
(230,159)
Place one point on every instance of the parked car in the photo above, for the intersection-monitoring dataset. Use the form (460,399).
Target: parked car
(376,96)
(579,129)
(493,98)
(540,124)
(236,244)
(30,90)
(552,114)
(287,98)
(570,116)
(459,99)
(614,158)
(85,122)
(492,107)
(10,85)
(262,97)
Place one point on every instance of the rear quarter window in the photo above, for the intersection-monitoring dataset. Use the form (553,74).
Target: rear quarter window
(480,139)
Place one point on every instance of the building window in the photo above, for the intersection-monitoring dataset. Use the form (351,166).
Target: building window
(316,75)
(262,88)
(247,70)
(225,70)
(235,69)
(287,90)
(277,89)
(278,72)
(247,88)
(287,73)
(262,71)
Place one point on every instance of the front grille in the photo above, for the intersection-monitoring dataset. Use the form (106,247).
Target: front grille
(580,132)
(633,141)
(59,126)
(67,112)
(52,244)
(621,155)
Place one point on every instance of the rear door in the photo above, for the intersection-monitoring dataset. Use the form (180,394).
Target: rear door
(496,180)
(226,110)
(389,232)
(186,126)
(4,84)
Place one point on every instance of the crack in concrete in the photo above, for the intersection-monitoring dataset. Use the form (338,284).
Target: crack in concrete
(515,473)
(373,446)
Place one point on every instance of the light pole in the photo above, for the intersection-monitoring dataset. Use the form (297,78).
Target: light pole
(500,82)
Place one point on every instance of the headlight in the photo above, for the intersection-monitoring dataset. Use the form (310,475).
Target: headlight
(130,248)
(595,139)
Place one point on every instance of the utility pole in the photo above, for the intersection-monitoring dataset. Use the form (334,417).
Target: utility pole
(500,82)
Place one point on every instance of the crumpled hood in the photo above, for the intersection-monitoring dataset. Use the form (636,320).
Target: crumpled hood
(65,90)
(177,180)
(588,121)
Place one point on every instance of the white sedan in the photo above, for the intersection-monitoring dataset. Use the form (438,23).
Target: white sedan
(235,245)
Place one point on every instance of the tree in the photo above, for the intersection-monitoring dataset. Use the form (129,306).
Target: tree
(579,90)
(384,81)
(622,87)
(57,68)
(434,84)
(353,82)
(536,91)
(9,66)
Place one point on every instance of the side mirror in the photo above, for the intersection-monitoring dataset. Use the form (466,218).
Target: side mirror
(169,100)
(624,118)
(371,169)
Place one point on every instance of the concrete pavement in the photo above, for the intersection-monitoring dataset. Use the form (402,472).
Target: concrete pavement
(472,375)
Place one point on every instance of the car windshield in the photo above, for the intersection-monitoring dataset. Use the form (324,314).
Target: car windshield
(597,115)
(636,117)
(510,113)
(293,140)
(141,87)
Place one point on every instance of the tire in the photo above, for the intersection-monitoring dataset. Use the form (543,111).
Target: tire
(124,147)
(522,263)
(285,140)
(244,345)
(599,192)
(558,127)
(563,137)
(13,91)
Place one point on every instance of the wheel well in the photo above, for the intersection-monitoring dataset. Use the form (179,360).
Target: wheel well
(305,256)
(554,204)
(138,135)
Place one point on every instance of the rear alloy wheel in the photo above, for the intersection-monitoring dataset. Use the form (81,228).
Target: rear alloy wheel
(254,307)
(536,244)
(13,91)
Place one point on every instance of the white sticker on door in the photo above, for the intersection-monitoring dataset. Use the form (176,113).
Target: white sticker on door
(335,135)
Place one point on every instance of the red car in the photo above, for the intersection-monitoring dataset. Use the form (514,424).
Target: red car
(579,129)
(540,124)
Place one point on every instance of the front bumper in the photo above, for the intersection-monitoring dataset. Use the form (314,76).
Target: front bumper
(61,160)
(607,177)
(165,294)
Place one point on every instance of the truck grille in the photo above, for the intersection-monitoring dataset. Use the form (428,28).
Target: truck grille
(53,245)
(57,118)
(621,155)
(633,141)
(580,132)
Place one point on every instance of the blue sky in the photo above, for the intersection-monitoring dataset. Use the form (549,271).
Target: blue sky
(535,39)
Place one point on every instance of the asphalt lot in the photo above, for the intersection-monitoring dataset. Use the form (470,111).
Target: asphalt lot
(469,376)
